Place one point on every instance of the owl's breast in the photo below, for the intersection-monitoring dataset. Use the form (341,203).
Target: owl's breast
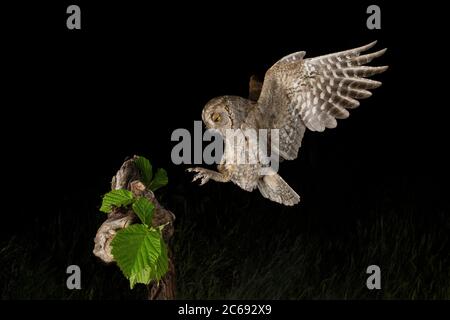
(241,159)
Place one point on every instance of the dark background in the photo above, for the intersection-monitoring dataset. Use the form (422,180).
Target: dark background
(78,102)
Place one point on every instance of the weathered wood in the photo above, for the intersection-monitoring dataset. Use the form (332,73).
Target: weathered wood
(127,177)
(116,220)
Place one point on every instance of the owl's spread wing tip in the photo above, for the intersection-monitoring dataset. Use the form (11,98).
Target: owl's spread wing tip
(372,44)
(316,92)
(367,46)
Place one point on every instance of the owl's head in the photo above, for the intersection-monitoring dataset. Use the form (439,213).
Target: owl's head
(226,112)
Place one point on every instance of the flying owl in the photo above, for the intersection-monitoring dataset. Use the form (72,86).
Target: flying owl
(297,94)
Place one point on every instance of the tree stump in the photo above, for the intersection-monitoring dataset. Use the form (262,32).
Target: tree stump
(128,177)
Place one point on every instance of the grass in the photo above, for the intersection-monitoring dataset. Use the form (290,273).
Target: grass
(306,266)
(229,252)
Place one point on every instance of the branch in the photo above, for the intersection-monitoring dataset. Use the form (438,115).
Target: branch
(128,177)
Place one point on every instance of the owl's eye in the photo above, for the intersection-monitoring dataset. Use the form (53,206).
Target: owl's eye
(215,117)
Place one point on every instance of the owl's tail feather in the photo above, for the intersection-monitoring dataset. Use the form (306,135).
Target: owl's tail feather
(273,187)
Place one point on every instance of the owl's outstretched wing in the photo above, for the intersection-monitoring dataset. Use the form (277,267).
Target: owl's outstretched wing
(312,93)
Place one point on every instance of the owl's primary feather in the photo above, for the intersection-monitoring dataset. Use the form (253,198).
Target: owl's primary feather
(313,93)
(296,94)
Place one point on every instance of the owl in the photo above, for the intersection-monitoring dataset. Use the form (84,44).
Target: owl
(296,94)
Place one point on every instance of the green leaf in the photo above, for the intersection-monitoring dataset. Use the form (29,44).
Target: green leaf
(162,264)
(117,198)
(140,253)
(144,210)
(160,180)
(145,168)
(141,277)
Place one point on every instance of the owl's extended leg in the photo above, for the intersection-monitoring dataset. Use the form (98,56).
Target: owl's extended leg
(206,174)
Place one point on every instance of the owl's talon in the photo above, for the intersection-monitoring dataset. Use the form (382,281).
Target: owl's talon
(202,174)
(205,179)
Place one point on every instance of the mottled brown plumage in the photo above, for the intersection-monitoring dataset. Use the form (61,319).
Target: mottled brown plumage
(297,94)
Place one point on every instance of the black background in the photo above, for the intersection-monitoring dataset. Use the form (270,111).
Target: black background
(76,103)
(82,101)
